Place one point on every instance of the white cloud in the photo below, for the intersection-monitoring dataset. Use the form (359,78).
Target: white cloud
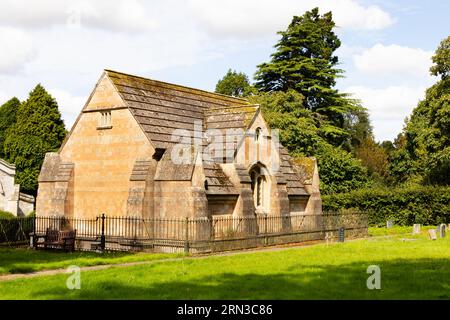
(16,49)
(261,17)
(3,98)
(393,59)
(115,15)
(69,105)
(388,107)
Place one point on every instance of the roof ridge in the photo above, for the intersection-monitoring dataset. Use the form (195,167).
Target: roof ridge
(178,85)
(254,105)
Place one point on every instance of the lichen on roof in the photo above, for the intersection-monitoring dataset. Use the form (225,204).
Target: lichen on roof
(305,167)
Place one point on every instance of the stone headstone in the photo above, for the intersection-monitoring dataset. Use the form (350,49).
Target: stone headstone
(432,234)
(416,228)
(389,224)
(341,235)
(442,230)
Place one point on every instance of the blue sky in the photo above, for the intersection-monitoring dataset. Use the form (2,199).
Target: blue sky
(65,45)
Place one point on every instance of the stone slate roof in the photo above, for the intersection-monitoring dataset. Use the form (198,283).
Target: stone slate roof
(161,107)
(218,181)
(292,177)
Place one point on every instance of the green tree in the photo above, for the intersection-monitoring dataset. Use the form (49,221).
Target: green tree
(304,61)
(441,59)
(39,129)
(375,158)
(339,170)
(424,155)
(234,84)
(359,128)
(8,116)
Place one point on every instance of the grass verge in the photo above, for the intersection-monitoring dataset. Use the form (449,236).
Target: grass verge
(415,269)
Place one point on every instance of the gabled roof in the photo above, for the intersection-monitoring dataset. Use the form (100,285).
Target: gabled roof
(160,108)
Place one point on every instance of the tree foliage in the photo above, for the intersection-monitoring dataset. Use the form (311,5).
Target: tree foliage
(429,205)
(423,156)
(441,59)
(39,129)
(234,84)
(375,158)
(8,116)
(304,61)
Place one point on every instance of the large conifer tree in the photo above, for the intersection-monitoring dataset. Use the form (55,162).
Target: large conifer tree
(305,62)
(8,117)
(39,129)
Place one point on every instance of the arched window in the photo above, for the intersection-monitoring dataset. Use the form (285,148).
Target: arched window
(259,186)
(257,134)
(259,191)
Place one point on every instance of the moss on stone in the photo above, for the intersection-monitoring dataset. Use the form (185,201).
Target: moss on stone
(307,164)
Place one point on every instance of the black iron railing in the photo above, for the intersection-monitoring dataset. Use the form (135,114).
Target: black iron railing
(189,232)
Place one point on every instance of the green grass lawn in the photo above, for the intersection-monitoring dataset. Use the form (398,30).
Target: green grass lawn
(410,269)
(27,260)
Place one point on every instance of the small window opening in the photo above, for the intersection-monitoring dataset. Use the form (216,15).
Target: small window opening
(257,134)
(105,120)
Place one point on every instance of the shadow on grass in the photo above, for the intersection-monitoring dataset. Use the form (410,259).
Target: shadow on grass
(400,279)
(28,260)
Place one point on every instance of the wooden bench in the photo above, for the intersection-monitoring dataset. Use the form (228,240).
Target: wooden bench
(56,239)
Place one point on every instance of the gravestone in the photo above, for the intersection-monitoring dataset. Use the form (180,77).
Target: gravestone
(432,234)
(442,230)
(341,237)
(416,228)
(389,224)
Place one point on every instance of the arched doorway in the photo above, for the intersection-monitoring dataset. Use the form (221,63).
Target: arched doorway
(260,188)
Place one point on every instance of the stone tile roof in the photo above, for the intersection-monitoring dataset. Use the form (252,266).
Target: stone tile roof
(292,177)
(160,107)
(218,181)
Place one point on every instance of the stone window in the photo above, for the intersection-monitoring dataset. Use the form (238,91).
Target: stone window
(257,134)
(105,120)
(259,191)
(259,188)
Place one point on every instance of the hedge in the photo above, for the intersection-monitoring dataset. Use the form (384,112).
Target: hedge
(6,215)
(404,206)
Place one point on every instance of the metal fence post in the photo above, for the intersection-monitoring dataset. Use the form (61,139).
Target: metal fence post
(186,236)
(265,230)
(33,236)
(102,237)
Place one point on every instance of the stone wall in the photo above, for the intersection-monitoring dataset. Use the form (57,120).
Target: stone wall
(26,204)
(11,200)
(103,159)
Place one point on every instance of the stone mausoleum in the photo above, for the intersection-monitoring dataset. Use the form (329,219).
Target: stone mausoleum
(11,199)
(145,148)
